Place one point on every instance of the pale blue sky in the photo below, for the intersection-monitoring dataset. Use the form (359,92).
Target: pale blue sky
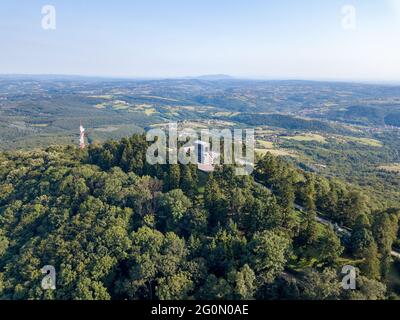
(168,38)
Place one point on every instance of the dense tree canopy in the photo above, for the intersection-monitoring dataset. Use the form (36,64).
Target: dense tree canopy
(116,228)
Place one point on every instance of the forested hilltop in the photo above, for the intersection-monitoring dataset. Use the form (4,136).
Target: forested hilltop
(116,228)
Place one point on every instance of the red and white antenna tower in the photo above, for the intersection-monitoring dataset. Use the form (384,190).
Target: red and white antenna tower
(82,137)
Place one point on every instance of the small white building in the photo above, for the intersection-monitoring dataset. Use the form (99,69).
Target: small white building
(204,156)
(202,149)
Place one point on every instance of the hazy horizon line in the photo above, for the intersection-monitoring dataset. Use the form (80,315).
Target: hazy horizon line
(223,77)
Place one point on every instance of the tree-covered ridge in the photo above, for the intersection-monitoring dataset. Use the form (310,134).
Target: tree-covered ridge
(116,228)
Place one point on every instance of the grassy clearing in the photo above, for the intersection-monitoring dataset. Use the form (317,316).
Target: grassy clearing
(276,152)
(105,97)
(364,141)
(265,144)
(40,125)
(307,137)
(263,147)
(262,152)
(158,125)
(120,106)
(149,112)
(160,98)
(172,114)
(283,153)
(107,129)
(194,125)
(189,108)
(226,124)
(261,131)
(227,114)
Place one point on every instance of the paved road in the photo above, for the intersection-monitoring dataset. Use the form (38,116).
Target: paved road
(395,254)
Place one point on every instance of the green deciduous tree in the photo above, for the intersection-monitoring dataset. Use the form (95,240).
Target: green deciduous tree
(321,286)
(268,255)
(245,283)
(175,287)
(329,247)
(173,206)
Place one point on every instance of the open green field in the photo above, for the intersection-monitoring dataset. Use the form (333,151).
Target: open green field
(364,141)
(307,137)
(265,144)
(276,152)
